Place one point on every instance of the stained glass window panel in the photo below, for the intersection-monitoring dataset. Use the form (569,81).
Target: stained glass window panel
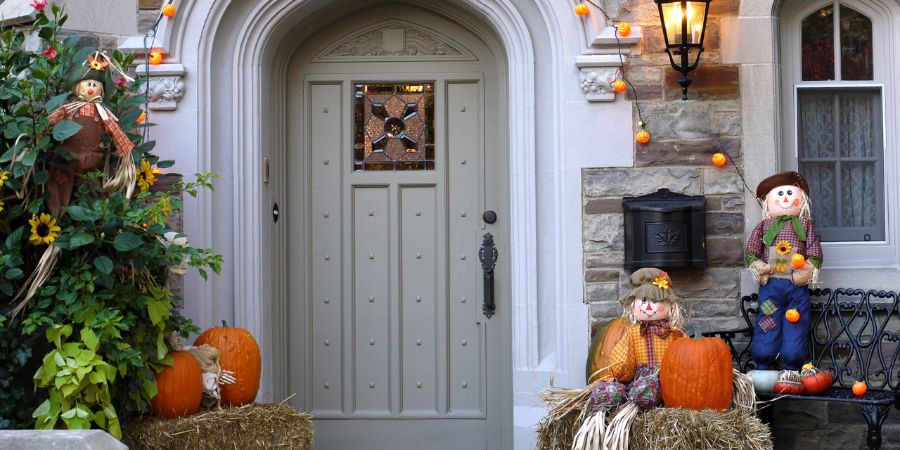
(393,126)
(817,45)
(856,45)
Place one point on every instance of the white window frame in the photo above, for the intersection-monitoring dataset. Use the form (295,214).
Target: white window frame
(885,51)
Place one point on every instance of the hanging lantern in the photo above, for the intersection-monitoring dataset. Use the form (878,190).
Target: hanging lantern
(683,27)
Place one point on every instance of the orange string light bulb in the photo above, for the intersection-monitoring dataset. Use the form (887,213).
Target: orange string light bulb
(156,57)
(624,29)
(168,10)
(619,86)
(719,159)
(581,9)
(642,136)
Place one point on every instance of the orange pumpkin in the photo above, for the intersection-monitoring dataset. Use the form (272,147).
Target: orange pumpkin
(156,57)
(697,374)
(239,353)
(860,388)
(624,29)
(619,86)
(179,388)
(642,136)
(602,346)
(815,381)
(788,388)
(168,10)
(792,315)
(719,159)
(581,9)
(798,261)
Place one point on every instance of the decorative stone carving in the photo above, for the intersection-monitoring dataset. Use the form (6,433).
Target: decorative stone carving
(396,39)
(596,83)
(165,87)
(600,62)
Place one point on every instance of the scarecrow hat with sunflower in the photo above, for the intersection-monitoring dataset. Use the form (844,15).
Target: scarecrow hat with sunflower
(98,67)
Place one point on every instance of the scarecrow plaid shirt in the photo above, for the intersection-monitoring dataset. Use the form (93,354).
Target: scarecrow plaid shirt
(119,138)
(634,350)
(811,249)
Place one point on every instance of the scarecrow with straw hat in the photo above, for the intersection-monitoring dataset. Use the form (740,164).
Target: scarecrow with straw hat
(784,255)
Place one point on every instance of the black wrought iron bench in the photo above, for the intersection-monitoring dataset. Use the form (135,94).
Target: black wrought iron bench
(856,335)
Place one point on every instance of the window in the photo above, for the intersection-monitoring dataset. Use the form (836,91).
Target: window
(838,115)
(393,126)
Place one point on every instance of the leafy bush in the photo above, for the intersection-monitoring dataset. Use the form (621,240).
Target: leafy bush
(95,331)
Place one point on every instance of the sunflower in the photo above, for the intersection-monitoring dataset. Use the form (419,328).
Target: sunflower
(145,176)
(97,63)
(780,265)
(662,281)
(783,247)
(43,230)
(3,177)
(2,204)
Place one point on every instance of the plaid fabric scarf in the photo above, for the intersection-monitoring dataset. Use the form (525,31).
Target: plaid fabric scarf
(660,328)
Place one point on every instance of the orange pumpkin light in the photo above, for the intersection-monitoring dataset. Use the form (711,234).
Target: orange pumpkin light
(697,374)
(179,389)
(141,118)
(156,57)
(581,9)
(602,346)
(624,29)
(860,388)
(798,261)
(619,86)
(719,159)
(168,10)
(792,315)
(239,353)
(642,136)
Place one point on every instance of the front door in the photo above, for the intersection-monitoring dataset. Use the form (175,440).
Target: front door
(396,165)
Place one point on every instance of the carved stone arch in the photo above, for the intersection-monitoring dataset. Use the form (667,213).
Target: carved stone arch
(395,40)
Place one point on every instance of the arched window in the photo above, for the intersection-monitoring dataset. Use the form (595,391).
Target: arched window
(836,105)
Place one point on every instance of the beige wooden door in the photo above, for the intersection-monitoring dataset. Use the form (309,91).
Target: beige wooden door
(396,164)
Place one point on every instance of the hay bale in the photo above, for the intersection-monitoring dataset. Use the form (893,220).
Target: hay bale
(676,428)
(249,426)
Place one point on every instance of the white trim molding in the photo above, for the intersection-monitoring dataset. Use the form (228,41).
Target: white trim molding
(165,88)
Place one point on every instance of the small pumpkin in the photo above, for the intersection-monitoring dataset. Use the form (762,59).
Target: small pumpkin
(798,261)
(179,388)
(619,86)
(168,10)
(697,374)
(815,381)
(581,9)
(719,159)
(624,29)
(860,388)
(239,353)
(156,57)
(602,346)
(788,388)
(642,136)
(764,380)
(792,315)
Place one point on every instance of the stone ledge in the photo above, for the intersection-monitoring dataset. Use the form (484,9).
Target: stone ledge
(59,439)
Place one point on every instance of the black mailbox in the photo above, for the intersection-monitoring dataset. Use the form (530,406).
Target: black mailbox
(665,229)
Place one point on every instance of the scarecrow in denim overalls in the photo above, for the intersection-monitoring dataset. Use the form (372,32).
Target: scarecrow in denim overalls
(785,231)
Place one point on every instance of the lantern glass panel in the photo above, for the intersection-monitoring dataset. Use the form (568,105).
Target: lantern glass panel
(674,16)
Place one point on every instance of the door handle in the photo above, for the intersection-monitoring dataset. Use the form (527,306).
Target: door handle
(488,255)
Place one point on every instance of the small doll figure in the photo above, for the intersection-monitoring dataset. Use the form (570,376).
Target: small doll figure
(85,146)
(633,376)
(784,255)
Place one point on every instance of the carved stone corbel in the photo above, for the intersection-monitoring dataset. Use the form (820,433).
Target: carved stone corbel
(599,63)
(165,88)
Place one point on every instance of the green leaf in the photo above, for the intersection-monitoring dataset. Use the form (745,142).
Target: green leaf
(41,177)
(69,414)
(79,239)
(30,157)
(81,214)
(65,130)
(15,239)
(90,339)
(41,410)
(158,310)
(103,264)
(14,274)
(127,241)
(165,164)
(56,101)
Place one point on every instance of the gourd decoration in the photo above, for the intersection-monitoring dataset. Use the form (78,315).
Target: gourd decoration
(239,354)
(642,136)
(581,9)
(624,29)
(788,383)
(697,374)
(179,389)
(860,388)
(619,86)
(602,346)
(792,315)
(764,380)
(815,381)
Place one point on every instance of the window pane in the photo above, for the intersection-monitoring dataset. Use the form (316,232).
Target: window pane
(816,124)
(858,118)
(817,45)
(858,195)
(856,45)
(822,183)
(393,127)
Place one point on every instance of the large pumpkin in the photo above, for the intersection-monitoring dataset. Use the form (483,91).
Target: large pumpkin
(179,388)
(602,346)
(239,353)
(697,374)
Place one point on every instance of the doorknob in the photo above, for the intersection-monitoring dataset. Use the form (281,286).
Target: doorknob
(488,255)
(489,217)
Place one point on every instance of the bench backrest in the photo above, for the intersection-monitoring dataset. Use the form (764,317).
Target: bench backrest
(854,333)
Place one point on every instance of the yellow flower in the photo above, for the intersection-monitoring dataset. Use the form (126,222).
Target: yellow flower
(662,281)
(145,176)
(2,205)
(43,230)
(783,247)
(3,177)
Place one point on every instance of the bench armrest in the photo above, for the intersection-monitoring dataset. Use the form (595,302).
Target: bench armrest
(739,356)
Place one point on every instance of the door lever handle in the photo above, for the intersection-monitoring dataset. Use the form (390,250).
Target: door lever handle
(488,255)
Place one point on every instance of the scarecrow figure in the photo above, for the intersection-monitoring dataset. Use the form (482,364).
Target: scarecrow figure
(85,146)
(784,255)
(633,376)
(213,375)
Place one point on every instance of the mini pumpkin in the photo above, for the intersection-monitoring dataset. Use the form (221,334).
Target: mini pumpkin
(624,29)
(815,381)
(860,388)
(619,86)
(642,136)
(719,159)
(697,374)
(179,389)
(238,353)
(156,57)
(798,261)
(792,315)
(581,9)
(788,388)
(168,10)
(764,380)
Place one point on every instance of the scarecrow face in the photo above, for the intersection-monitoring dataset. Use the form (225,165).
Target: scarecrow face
(649,310)
(89,90)
(785,201)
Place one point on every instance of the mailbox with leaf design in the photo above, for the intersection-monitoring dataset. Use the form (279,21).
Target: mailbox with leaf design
(665,229)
